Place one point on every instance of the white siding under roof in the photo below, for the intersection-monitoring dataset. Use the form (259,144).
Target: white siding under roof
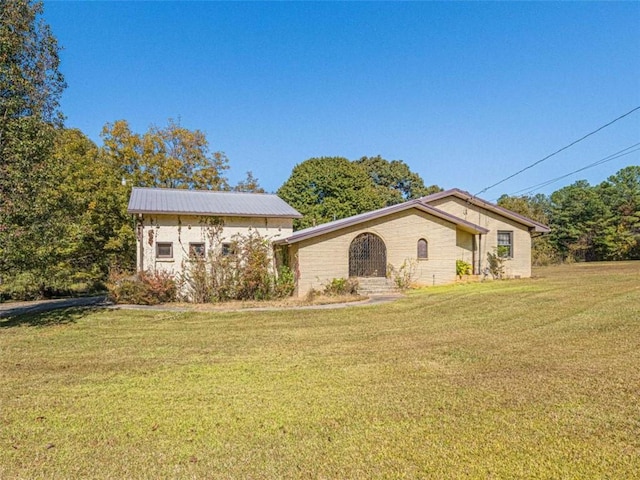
(204,202)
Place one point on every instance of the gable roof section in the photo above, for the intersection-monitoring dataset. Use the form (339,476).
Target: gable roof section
(206,202)
(479,202)
(375,214)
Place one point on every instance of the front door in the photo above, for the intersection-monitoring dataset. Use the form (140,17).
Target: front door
(367,256)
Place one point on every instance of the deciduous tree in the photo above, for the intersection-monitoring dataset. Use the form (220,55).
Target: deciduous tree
(329,188)
(249,184)
(91,202)
(394,180)
(30,89)
(169,157)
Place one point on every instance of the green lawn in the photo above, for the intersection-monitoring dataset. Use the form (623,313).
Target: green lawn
(535,378)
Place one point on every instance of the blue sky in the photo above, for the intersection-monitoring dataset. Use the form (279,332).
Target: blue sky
(465,93)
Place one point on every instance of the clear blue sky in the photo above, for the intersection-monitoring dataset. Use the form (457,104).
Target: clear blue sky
(465,93)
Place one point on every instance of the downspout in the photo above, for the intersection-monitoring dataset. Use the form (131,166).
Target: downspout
(480,254)
(474,256)
(140,237)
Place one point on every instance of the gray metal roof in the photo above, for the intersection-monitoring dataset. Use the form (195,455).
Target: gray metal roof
(206,202)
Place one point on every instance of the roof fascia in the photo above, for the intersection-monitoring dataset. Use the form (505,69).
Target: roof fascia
(209,214)
(466,196)
(356,219)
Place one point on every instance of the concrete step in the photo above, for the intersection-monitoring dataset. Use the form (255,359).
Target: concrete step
(376,286)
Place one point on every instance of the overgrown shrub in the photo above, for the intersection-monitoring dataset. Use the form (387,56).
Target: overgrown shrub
(255,278)
(244,271)
(341,286)
(145,288)
(496,261)
(285,283)
(403,277)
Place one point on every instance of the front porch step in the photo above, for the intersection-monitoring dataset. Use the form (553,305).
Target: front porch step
(376,286)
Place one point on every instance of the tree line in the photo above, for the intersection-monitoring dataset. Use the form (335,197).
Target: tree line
(63,199)
(588,222)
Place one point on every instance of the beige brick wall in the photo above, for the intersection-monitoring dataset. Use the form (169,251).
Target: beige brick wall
(520,264)
(326,257)
(184,229)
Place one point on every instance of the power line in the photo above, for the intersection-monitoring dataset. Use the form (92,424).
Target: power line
(558,151)
(609,158)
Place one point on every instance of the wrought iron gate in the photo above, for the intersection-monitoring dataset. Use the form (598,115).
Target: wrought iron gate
(367,256)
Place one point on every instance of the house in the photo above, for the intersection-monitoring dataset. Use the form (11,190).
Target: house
(424,236)
(175,225)
(507,229)
(421,238)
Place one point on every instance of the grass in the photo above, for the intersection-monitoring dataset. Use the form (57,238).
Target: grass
(288,302)
(536,378)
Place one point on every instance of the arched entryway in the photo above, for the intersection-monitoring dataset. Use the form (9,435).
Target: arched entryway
(367,256)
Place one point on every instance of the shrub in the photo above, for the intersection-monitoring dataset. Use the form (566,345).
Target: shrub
(145,288)
(403,277)
(543,253)
(24,286)
(197,281)
(463,268)
(160,285)
(285,283)
(255,277)
(245,274)
(496,262)
(341,286)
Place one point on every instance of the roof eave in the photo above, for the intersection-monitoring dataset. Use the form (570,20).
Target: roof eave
(331,227)
(505,212)
(210,214)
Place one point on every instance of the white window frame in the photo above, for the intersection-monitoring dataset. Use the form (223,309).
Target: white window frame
(509,245)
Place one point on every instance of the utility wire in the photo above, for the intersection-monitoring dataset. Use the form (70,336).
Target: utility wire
(558,151)
(613,156)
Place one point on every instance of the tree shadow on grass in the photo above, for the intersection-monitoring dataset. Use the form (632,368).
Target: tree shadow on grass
(61,316)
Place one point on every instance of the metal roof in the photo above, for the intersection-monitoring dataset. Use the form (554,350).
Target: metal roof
(206,202)
(363,217)
(463,195)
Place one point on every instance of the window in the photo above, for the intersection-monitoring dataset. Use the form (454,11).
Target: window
(423,249)
(505,244)
(164,250)
(196,250)
(227,249)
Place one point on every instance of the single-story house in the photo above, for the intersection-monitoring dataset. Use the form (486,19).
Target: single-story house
(426,235)
(174,225)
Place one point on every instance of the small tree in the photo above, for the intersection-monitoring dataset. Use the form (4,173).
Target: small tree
(496,261)
(403,276)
